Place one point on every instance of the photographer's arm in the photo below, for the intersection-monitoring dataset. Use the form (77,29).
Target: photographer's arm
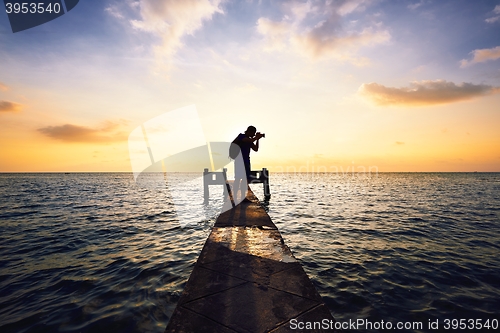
(250,140)
(256,138)
(255,146)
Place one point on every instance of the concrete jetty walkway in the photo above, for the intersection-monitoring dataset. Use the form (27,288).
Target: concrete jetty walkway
(247,280)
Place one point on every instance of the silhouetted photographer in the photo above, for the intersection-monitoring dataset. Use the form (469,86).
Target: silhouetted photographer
(243,143)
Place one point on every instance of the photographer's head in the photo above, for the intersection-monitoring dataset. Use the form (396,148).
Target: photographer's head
(251,130)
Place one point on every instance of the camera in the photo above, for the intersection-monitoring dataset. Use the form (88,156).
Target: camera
(262,134)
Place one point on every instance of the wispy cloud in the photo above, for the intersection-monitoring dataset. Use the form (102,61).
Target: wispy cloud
(109,132)
(318,44)
(277,34)
(349,6)
(316,30)
(414,6)
(6,106)
(247,88)
(425,93)
(481,55)
(171,20)
(114,11)
(3,87)
(494,19)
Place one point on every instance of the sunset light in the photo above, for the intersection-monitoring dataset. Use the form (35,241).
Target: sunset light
(403,86)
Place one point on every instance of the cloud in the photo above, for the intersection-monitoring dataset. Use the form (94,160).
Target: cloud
(172,19)
(317,43)
(114,11)
(414,6)
(399,143)
(425,93)
(3,87)
(349,6)
(316,30)
(109,132)
(6,106)
(482,55)
(277,33)
(246,88)
(494,19)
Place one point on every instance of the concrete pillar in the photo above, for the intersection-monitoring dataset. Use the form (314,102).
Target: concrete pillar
(205,187)
(265,176)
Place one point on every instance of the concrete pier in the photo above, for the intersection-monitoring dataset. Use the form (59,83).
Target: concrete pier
(247,280)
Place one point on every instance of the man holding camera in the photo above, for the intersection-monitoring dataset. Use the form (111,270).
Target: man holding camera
(245,142)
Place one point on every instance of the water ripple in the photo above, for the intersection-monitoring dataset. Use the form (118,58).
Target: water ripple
(396,246)
(96,253)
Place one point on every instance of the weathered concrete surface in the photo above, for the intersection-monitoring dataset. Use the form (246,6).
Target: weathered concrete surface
(246,280)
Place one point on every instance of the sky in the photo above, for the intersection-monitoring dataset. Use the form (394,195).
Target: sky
(337,85)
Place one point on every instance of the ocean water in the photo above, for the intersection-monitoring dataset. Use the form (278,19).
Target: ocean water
(397,247)
(99,253)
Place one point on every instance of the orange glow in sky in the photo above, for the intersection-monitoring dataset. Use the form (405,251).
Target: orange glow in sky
(399,86)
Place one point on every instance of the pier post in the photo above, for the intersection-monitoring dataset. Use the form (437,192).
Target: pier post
(265,175)
(216,178)
(261,176)
(206,194)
